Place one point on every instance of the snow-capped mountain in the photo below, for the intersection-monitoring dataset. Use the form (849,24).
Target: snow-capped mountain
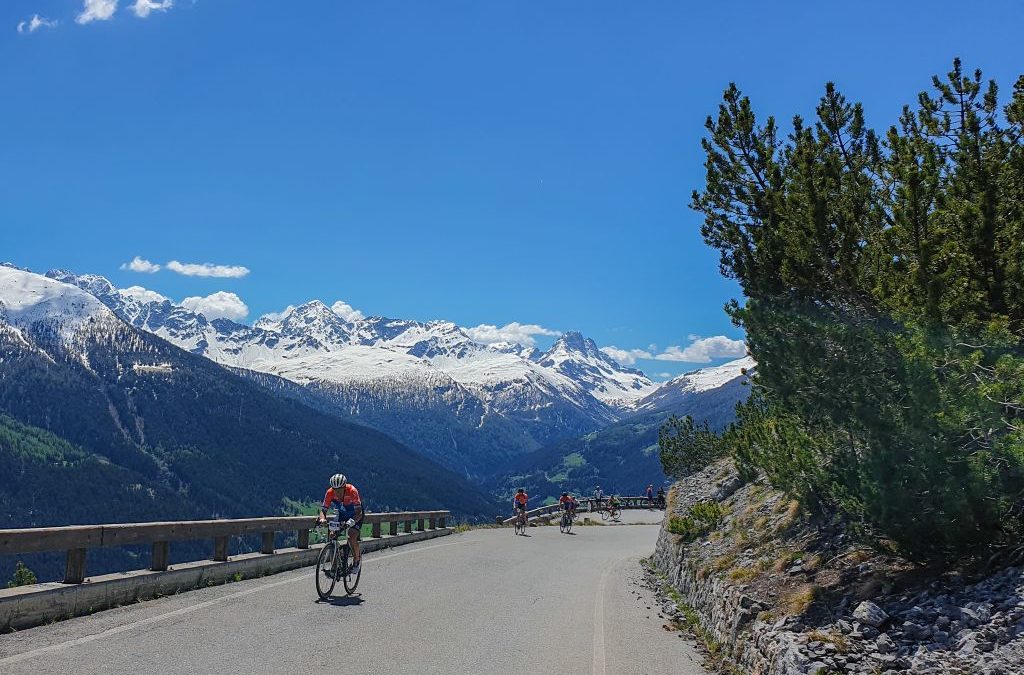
(670,394)
(579,359)
(29,300)
(459,401)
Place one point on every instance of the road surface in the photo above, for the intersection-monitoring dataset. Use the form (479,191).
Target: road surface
(484,601)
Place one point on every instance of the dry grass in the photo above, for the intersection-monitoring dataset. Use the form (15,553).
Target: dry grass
(743,574)
(840,641)
(724,562)
(800,600)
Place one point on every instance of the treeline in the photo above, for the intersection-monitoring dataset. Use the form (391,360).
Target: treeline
(883,277)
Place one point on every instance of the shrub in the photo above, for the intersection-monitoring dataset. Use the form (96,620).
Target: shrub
(23,576)
(700,519)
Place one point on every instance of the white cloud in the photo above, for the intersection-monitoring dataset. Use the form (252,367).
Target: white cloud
(700,350)
(143,8)
(143,294)
(277,316)
(627,357)
(703,350)
(35,23)
(141,265)
(667,376)
(519,333)
(219,305)
(347,311)
(208,270)
(96,10)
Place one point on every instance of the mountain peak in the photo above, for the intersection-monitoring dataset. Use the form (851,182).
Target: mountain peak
(28,298)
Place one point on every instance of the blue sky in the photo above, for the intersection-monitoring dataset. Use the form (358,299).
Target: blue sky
(483,162)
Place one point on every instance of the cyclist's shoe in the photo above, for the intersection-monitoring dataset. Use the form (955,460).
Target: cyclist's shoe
(354,570)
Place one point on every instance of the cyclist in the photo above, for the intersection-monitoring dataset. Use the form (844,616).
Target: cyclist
(519,502)
(613,504)
(661,497)
(568,504)
(598,499)
(345,496)
(650,496)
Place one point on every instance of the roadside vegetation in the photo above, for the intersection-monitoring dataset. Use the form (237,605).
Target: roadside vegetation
(883,283)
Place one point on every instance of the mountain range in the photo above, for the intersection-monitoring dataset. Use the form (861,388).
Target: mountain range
(623,457)
(174,433)
(465,404)
(142,406)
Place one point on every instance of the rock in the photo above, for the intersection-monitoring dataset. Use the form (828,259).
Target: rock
(817,667)
(871,614)
(885,644)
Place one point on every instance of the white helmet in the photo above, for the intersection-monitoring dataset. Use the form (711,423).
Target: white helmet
(338,480)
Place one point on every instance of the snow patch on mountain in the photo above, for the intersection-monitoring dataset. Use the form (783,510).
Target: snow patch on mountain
(27,299)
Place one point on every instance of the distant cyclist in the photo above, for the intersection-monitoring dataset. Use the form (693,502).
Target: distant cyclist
(598,499)
(345,496)
(650,496)
(519,502)
(614,504)
(568,504)
(661,497)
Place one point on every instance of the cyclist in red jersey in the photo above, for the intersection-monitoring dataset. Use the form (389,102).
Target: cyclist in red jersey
(345,496)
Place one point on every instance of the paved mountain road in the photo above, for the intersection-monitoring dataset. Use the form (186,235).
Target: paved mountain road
(479,602)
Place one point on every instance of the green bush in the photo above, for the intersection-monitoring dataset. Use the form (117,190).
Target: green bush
(884,304)
(700,519)
(23,576)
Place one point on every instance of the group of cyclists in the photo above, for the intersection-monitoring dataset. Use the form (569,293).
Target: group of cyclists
(570,504)
(344,496)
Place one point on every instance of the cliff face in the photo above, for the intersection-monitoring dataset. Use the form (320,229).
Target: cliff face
(775,592)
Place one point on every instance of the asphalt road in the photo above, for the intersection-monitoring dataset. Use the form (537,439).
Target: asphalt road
(484,601)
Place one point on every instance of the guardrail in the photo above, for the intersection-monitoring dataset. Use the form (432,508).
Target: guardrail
(77,539)
(586,504)
(27,606)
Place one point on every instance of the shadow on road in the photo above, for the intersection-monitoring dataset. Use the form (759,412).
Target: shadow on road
(343,601)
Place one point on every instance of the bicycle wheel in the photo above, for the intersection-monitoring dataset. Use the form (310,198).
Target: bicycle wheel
(568,523)
(564,523)
(614,515)
(604,514)
(326,565)
(349,580)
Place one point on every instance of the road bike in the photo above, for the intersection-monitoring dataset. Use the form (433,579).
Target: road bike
(612,512)
(333,563)
(565,526)
(520,524)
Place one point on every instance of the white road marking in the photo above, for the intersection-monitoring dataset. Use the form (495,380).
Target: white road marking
(111,632)
(599,658)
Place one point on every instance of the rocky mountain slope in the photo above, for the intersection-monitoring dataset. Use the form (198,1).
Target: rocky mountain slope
(775,591)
